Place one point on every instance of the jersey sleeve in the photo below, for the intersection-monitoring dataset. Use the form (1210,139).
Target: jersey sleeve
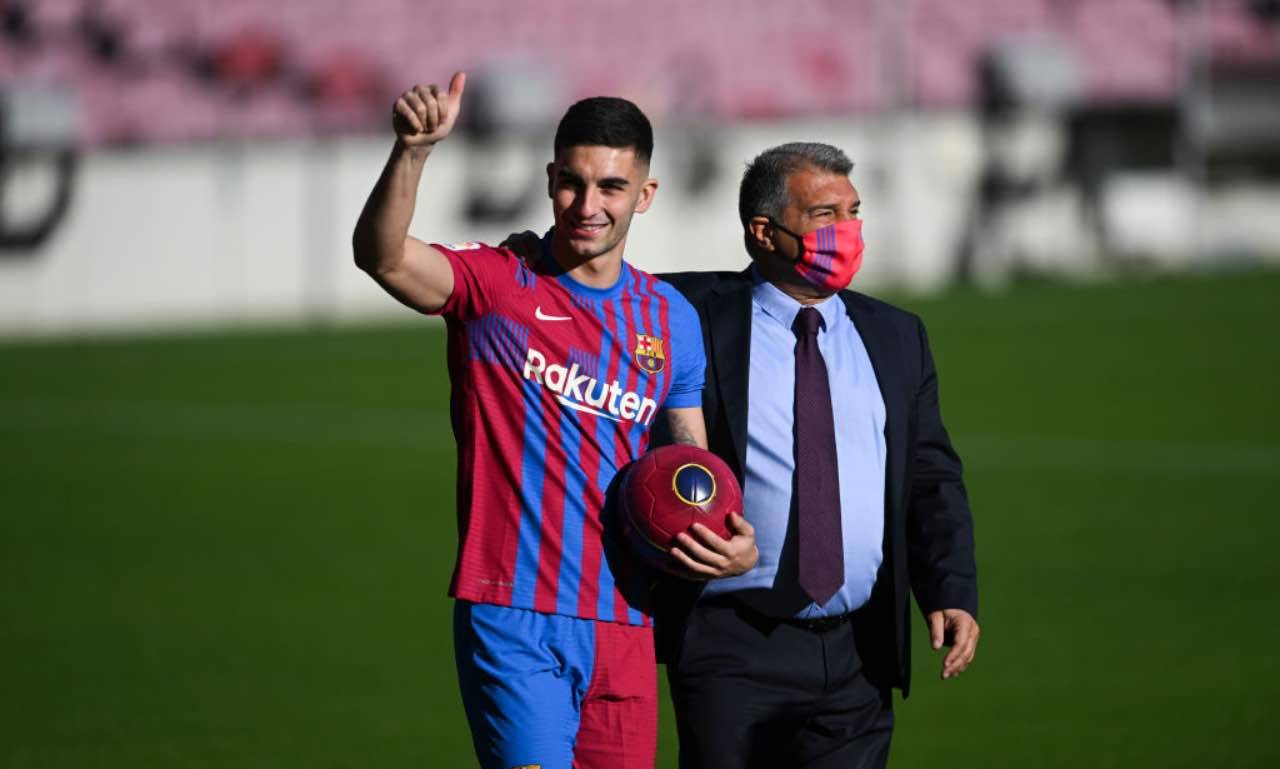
(690,359)
(482,277)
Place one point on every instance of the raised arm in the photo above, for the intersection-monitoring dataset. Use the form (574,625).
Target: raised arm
(413,272)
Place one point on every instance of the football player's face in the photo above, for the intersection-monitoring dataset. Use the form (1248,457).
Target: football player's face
(594,193)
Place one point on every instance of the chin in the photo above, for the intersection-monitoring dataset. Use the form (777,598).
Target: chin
(595,249)
(584,249)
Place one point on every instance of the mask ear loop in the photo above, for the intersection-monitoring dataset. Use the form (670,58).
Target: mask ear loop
(799,239)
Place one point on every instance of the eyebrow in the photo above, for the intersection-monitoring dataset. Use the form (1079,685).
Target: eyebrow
(856,204)
(568,176)
(617,181)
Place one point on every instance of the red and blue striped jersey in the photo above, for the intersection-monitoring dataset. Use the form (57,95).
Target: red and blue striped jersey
(554,387)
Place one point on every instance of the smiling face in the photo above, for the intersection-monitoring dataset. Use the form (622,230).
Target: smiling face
(595,190)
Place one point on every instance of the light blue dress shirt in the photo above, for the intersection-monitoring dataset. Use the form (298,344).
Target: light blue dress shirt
(859,415)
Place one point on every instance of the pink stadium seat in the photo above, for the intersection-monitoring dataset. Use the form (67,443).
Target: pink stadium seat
(338,61)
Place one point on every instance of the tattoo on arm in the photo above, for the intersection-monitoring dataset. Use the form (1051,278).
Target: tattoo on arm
(685,427)
(682,429)
(680,434)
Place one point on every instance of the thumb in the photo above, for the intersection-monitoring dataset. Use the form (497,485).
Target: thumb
(936,627)
(456,84)
(453,103)
(740,525)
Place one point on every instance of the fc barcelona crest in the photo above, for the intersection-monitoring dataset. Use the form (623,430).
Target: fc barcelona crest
(650,353)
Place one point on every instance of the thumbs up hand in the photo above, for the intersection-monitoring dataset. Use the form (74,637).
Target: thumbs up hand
(425,114)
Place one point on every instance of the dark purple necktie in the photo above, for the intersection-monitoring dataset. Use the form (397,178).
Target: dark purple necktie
(817,480)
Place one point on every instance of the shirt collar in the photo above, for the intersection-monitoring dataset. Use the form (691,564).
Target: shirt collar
(783,309)
(553,268)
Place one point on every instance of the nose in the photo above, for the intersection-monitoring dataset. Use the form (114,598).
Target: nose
(587,203)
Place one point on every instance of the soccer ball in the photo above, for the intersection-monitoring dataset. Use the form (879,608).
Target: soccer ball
(668,490)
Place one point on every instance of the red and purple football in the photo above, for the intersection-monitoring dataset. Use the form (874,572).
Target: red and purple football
(668,490)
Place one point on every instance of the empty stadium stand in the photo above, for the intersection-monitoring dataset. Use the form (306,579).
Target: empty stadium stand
(147,71)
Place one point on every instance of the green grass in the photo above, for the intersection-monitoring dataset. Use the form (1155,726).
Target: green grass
(231,550)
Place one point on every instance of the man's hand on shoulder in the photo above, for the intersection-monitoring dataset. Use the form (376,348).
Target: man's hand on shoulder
(706,555)
(958,629)
(526,245)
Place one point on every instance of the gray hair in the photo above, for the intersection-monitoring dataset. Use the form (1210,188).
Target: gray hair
(764,184)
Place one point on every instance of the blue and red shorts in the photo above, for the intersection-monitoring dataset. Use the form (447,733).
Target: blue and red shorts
(556,692)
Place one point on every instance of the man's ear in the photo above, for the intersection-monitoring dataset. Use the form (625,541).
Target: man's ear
(760,230)
(551,179)
(647,190)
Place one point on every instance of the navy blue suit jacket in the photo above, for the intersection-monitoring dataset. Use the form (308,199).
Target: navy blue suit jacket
(928,531)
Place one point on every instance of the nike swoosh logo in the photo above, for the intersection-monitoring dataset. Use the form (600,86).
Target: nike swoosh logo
(586,409)
(540,315)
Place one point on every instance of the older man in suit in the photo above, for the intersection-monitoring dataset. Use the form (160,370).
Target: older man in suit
(825,404)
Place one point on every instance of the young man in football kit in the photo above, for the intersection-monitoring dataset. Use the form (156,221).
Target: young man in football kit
(558,369)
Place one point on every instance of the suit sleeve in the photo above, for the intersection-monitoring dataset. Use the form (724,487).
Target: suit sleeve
(482,277)
(940,541)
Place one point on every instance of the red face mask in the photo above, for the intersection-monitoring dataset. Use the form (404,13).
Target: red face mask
(831,256)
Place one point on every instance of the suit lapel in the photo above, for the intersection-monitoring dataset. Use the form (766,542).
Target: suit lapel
(729,310)
(879,341)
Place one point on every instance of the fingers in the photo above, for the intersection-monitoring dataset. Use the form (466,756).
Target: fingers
(431,100)
(705,546)
(937,625)
(709,538)
(426,102)
(414,98)
(408,114)
(695,569)
(966,642)
(527,245)
(740,525)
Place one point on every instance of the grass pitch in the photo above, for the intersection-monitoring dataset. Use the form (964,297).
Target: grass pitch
(231,550)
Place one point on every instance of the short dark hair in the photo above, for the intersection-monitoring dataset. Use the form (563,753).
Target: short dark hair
(763,191)
(605,121)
